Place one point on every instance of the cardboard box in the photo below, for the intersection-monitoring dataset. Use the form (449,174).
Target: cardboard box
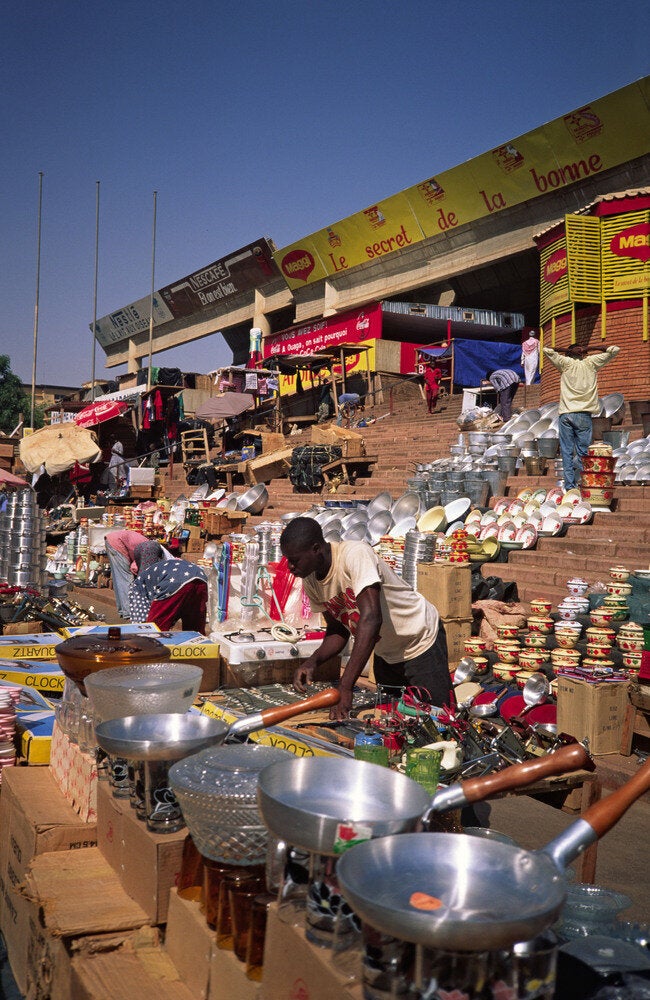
(141,492)
(34,646)
(142,477)
(595,712)
(22,628)
(353,444)
(34,734)
(457,631)
(147,864)
(221,522)
(184,646)
(447,587)
(256,673)
(75,773)
(34,819)
(42,676)
(76,903)
(189,942)
(137,968)
(293,967)
(282,737)
(228,978)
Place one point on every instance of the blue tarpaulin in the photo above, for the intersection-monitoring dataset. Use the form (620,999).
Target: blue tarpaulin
(473,359)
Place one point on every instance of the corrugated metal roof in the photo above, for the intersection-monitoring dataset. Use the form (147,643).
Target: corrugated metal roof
(639,192)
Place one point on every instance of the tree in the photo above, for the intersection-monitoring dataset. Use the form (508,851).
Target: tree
(13,401)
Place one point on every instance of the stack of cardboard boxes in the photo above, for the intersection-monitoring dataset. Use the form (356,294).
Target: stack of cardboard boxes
(449,588)
(90,910)
(85,906)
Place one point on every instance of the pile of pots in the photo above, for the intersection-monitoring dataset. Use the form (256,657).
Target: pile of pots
(631,460)
(22,541)
(597,479)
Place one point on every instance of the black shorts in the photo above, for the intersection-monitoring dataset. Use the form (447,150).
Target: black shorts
(429,670)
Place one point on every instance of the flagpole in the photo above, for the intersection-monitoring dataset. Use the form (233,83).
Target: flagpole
(38,285)
(153,273)
(92,383)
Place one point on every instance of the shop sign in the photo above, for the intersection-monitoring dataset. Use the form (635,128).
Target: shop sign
(324,334)
(220,281)
(554,280)
(625,252)
(131,320)
(556,266)
(633,242)
(213,285)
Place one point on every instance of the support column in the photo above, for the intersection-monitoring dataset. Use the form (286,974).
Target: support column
(259,316)
(134,363)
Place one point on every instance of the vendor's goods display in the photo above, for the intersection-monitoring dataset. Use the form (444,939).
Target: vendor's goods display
(407,888)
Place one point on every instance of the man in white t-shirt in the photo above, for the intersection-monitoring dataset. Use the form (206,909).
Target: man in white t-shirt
(360,595)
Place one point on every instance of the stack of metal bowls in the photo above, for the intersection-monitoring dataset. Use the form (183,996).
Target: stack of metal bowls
(22,542)
(418,547)
(268,538)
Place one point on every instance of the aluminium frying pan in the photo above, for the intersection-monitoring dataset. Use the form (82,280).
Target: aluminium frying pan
(305,800)
(456,892)
(172,736)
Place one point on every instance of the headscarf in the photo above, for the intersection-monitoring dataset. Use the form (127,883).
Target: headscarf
(146,554)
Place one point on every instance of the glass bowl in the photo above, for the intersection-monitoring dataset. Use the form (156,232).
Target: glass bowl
(217,793)
(143,689)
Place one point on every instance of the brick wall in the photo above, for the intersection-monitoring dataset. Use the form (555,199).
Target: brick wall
(629,373)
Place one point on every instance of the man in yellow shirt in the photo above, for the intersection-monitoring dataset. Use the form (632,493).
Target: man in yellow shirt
(360,595)
(578,401)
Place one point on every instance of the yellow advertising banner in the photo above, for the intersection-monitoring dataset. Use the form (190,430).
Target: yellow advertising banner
(583,257)
(625,253)
(581,144)
(554,280)
(378,230)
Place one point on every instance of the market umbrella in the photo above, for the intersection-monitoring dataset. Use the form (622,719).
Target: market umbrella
(58,447)
(8,479)
(231,404)
(98,413)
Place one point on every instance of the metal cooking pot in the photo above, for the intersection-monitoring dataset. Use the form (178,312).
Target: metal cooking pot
(383,501)
(254,500)
(457,892)
(305,800)
(408,505)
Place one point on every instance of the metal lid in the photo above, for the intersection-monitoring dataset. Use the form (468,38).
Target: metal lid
(113,649)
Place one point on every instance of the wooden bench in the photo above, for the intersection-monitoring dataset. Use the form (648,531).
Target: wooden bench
(349,467)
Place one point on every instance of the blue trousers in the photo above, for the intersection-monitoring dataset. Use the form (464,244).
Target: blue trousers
(576,432)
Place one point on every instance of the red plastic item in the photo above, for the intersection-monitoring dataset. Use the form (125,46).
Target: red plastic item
(644,669)
(282,583)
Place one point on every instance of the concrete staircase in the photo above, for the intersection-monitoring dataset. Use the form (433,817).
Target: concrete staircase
(409,435)
(619,537)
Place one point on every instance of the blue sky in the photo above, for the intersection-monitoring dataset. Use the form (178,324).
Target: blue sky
(256,119)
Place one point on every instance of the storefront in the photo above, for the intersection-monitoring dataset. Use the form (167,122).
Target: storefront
(594,283)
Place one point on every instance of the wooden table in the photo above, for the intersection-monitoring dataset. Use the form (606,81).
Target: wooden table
(349,467)
(227,470)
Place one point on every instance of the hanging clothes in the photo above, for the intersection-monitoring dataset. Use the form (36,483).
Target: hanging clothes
(158,405)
